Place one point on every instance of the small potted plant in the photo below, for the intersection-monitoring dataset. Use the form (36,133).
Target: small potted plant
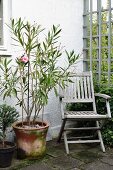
(30,80)
(8,115)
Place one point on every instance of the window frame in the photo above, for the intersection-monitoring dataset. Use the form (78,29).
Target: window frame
(5,48)
(1,19)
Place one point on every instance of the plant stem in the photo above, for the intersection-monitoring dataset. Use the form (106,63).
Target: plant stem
(3,139)
(22,92)
(3,143)
(32,93)
(28,91)
(42,115)
(36,89)
(24,106)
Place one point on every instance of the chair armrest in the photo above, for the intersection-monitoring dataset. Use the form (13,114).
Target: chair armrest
(105,96)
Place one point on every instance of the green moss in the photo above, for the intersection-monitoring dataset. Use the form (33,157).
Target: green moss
(39,133)
(87,156)
(29,161)
(40,153)
(24,163)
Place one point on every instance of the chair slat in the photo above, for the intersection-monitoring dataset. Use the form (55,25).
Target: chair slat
(74,88)
(89,87)
(78,88)
(82,88)
(85,88)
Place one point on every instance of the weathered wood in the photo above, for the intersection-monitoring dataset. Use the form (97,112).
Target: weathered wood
(73,100)
(80,137)
(84,141)
(108,109)
(82,88)
(100,138)
(84,115)
(103,95)
(61,130)
(81,91)
(83,128)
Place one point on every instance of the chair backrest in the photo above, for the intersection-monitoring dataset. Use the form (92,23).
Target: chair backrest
(80,89)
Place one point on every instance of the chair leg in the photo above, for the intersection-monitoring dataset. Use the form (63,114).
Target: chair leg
(100,137)
(61,130)
(66,143)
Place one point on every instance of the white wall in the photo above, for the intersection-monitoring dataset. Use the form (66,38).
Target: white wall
(67,13)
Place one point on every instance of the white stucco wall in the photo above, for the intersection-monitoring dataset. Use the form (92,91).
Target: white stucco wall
(67,13)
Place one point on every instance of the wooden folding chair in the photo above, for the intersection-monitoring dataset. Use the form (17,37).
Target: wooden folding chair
(81,90)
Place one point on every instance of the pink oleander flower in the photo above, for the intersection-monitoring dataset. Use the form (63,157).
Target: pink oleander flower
(24,59)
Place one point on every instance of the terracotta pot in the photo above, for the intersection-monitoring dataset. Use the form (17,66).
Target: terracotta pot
(31,142)
(6,154)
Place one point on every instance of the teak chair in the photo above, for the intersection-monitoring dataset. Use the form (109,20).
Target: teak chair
(81,90)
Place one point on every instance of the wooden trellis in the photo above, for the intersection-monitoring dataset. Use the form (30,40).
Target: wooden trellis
(95,9)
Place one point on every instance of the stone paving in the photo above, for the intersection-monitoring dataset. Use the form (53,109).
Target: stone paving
(81,157)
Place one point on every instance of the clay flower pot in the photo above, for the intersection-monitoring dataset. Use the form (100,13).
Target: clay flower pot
(31,141)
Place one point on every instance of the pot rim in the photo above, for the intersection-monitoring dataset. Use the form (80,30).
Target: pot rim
(14,125)
(12,145)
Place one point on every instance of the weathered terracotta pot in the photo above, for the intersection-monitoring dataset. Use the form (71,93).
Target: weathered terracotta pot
(31,142)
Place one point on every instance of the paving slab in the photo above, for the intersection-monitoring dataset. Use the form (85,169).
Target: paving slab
(86,156)
(75,169)
(65,162)
(107,160)
(39,166)
(98,165)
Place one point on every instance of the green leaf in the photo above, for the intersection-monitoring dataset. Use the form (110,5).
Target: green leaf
(14,91)
(24,79)
(55,90)
(57,32)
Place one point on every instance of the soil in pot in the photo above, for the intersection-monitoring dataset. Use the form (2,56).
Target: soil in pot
(31,142)
(6,154)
